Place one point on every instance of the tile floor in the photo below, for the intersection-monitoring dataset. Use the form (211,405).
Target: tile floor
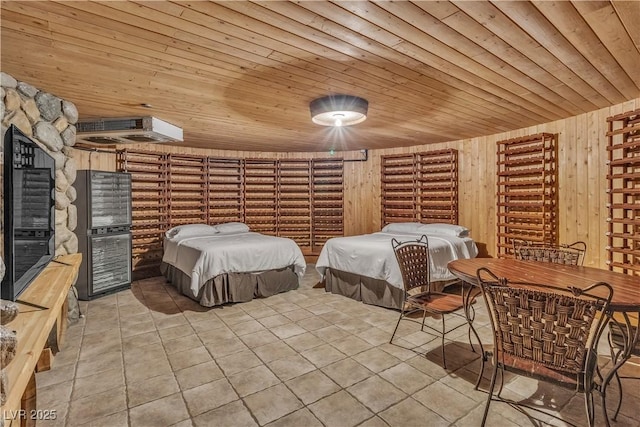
(150,357)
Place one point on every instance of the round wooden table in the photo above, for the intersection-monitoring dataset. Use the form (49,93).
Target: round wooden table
(625,299)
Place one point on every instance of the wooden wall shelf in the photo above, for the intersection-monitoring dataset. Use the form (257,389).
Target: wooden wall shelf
(420,187)
(301,199)
(527,191)
(623,193)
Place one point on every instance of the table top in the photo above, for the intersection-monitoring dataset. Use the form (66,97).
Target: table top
(626,288)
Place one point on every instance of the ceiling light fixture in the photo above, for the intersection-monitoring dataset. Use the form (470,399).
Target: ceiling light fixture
(339,110)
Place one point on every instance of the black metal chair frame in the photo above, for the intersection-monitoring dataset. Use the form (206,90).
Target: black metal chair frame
(573,253)
(548,346)
(414,259)
(620,338)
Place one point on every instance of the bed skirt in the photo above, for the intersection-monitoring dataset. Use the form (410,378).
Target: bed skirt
(233,287)
(369,290)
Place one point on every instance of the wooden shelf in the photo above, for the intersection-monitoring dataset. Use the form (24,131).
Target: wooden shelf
(420,187)
(285,197)
(43,307)
(526,191)
(623,193)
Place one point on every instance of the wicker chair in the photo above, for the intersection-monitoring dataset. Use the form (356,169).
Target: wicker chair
(413,259)
(559,254)
(545,332)
(620,337)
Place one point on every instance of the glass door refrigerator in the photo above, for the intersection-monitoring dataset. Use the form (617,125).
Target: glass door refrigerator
(104,232)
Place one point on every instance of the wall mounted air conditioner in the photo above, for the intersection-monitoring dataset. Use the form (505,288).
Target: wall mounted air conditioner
(126,130)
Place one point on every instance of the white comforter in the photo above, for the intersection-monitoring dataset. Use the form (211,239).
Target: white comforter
(372,255)
(204,257)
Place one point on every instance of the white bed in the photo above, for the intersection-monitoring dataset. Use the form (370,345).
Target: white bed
(228,263)
(365,268)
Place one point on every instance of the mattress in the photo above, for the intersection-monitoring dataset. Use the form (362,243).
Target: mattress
(204,257)
(371,255)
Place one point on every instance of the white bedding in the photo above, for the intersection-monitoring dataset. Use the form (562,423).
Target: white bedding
(204,257)
(371,255)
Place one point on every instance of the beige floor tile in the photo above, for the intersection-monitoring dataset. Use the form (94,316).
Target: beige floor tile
(257,339)
(304,342)
(147,353)
(299,418)
(119,419)
(216,335)
(331,333)
(406,378)
(187,358)
(290,367)
(248,327)
(340,409)
(347,372)
(54,396)
(99,363)
(287,330)
(205,322)
(183,423)
(97,383)
(235,318)
(225,347)
(375,336)
(151,389)
(351,345)
(261,312)
(139,328)
(374,422)
(209,396)
(162,412)
(273,403)
(171,322)
(197,375)
(313,323)
(299,314)
(409,412)
(233,414)
(58,375)
(274,351)
(376,393)
(376,360)
(275,320)
(238,362)
(168,334)
(447,402)
(141,340)
(182,344)
(313,386)
(97,406)
(139,371)
(253,380)
(323,355)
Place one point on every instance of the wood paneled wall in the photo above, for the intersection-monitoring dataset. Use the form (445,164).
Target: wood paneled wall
(582,181)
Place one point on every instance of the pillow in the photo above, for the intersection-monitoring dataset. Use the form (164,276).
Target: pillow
(445,229)
(231,227)
(189,230)
(401,227)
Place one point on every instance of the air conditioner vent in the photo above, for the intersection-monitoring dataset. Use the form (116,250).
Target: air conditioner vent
(127,130)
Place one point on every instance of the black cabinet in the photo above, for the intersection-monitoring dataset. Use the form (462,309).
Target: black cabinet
(104,232)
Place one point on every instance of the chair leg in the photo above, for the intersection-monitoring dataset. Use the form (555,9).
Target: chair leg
(491,387)
(614,360)
(397,324)
(444,360)
(588,401)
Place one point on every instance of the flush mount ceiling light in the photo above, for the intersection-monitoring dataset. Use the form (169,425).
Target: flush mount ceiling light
(339,110)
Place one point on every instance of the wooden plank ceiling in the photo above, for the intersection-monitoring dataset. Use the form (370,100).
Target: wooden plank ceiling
(240,75)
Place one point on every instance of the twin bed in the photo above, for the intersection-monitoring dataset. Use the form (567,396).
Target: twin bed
(227,263)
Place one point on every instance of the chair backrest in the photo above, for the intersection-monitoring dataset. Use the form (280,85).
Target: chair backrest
(560,254)
(547,325)
(413,259)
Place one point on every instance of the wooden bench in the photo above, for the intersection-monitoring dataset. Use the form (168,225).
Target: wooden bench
(40,329)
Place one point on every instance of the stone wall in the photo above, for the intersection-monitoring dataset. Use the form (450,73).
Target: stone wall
(50,122)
